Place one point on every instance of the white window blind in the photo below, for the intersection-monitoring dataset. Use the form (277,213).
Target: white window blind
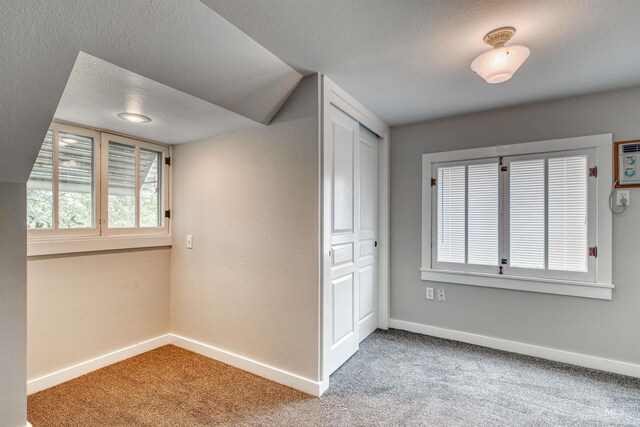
(567,201)
(527,214)
(121,173)
(451,214)
(483,214)
(76,181)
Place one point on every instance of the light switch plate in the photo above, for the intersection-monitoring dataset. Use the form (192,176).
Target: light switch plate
(430,293)
(189,241)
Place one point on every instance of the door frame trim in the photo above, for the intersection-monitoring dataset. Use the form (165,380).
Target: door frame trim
(332,94)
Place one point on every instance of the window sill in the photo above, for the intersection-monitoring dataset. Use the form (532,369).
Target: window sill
(528,284)
(66,245)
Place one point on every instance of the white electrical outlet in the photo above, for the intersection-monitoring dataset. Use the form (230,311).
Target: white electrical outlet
(189,241)
(623,197)
(441,295)
(430,293)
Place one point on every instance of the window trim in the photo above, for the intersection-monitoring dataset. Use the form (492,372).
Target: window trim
(104,183)
(76,240)
(79,244)
(601,288)
(71,232)
(451,266)
(592,191)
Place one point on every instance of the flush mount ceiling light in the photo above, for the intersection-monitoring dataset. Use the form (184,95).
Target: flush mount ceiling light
(500,63)
(134,118)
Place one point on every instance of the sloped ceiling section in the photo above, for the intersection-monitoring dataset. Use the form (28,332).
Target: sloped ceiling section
(409,60)
(181,44)
(97,91)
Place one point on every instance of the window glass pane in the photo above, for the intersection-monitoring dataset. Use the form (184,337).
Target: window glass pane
(76,181)
(40,187)
(568,213)
(451,214)
(526,214)
(122,185)
(483,214)
(150,188)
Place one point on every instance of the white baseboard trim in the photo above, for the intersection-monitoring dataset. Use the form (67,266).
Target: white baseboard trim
(38,384)
(563,356)
(314,388)
(324,386)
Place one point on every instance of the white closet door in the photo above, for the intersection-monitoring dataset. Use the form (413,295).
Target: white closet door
(351,174)
(341,157)
(367,232)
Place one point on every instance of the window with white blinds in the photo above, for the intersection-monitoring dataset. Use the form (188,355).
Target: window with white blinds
(520,215)
(532,216)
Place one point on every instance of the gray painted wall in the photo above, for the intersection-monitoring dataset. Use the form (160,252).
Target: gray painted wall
(250,285)
(13,305)
(609,329)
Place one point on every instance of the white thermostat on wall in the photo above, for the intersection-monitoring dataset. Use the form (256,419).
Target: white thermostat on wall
(628,157)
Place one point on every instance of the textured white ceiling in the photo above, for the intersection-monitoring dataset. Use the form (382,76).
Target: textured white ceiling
(97,91)
(179,43)
(409,60)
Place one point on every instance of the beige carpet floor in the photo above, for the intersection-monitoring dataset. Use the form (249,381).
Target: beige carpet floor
(168,386)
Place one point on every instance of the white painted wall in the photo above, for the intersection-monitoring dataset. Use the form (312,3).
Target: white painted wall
(608,329)
(13,304)
(81,306)
(250,285)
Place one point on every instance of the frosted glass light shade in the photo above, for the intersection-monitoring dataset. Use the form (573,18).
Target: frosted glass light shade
(500,64)
(134,117)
